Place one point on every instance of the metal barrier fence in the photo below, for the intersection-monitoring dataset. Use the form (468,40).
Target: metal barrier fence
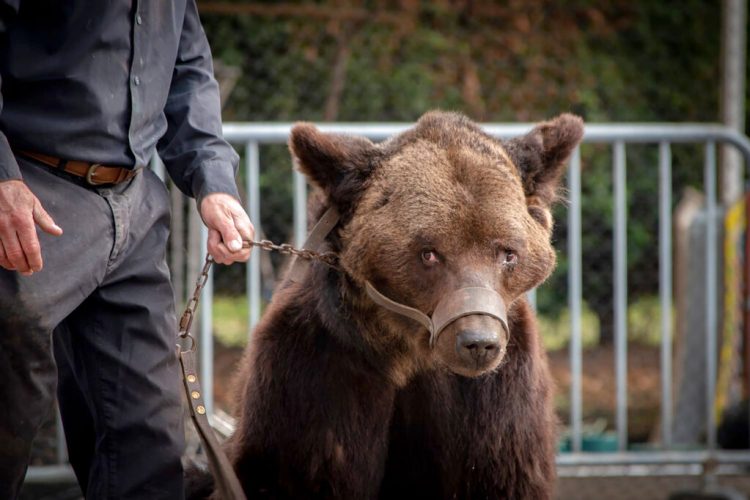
(618,136)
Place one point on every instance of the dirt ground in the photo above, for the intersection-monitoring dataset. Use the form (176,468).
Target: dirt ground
(598,385)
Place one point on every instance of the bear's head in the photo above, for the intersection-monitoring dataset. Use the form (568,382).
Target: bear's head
(438,209)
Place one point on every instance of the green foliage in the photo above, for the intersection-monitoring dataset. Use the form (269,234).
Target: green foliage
(621,60)
(644,321)
(555,329)
(230,319)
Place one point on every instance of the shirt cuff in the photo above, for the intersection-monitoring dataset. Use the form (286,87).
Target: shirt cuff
(214,177)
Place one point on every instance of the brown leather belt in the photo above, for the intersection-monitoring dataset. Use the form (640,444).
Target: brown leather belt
(95,174)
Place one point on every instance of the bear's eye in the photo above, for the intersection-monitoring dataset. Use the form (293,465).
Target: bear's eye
(507,256)
(510,258)
(429,257)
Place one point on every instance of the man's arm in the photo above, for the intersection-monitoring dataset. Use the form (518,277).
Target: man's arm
(8,166)
(19,208)
(199,160)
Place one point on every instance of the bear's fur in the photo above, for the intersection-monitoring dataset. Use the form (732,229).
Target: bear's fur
(341,398)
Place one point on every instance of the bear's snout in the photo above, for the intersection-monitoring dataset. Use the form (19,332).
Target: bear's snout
(477,347)
(472,345)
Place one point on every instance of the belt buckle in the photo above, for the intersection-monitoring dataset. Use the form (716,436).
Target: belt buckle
(90,174)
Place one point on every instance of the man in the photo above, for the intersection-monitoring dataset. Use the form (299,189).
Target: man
(90,91)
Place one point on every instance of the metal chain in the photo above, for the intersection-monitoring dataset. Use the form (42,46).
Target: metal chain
(328,258)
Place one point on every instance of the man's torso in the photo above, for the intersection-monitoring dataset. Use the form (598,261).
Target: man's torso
(88,80)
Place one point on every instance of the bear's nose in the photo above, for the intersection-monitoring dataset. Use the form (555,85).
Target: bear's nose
(477,347)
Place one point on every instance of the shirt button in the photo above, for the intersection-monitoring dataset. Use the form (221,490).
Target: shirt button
(138,19)
(137,80)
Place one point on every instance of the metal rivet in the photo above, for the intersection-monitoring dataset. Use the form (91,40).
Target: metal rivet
(195,394)
(200,409)
(191,378)
(138,19)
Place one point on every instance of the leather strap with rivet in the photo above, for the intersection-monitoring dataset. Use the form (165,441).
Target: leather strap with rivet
(225,479)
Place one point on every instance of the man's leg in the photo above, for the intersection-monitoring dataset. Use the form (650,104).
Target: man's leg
(123,359)
(30,307)
(76,407)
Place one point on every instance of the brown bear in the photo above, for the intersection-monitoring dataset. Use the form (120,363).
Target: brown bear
(346,394)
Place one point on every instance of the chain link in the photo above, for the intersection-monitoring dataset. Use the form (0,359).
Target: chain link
(328,258)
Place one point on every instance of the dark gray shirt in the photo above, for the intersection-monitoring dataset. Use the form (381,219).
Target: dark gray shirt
(111,81)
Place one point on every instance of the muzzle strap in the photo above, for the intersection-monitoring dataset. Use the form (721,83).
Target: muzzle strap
(314,241)
(397,307)
(462,302)
(466,302)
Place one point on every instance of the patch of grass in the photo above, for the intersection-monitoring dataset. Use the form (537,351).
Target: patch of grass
(231,323)
(643,325)
(644,321)
(230,319)
(555,330)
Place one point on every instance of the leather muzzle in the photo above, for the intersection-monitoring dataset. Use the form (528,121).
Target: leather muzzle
(460,303)
(457,304)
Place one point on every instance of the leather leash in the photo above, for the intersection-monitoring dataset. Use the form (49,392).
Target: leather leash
(225,478)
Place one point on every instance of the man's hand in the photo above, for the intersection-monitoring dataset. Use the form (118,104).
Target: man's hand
(19,211)
(228,225)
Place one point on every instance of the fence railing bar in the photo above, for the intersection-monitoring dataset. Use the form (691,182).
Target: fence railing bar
(206,340)
(531,297)
(61,446)
(620,294)
(665,289)
(654,457)
(709,181)
(575,290)
(41,474)
(300,208)
(252,160)
(158,167)
(594,133)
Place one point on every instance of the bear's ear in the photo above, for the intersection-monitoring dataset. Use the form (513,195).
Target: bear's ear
(542,154)
(338,164)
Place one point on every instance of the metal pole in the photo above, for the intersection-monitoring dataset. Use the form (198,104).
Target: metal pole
(531,297)
(733,50)
(62,446)
(300,208)
(206,332)
(665,289)
(575,297)
(253,194)
(158,167)
(709,181)
(621,294)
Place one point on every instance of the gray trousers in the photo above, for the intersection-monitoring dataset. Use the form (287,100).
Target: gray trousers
(105,298)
